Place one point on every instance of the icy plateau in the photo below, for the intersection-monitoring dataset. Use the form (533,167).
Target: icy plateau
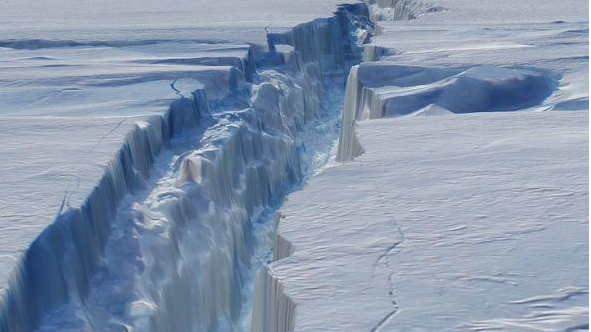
(290,166)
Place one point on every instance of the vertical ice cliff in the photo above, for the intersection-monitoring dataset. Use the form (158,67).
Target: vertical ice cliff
(61,261)
(384,89)
(358,99)
(165,240)
(314,42)
(348,146)
(273,309)
(286,299)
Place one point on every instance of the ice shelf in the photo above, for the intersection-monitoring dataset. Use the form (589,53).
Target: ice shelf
(146,148)
(169,154)
(459,196)
(465,222)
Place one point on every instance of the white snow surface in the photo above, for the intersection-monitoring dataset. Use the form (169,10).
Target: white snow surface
(205,20)
(459,196)
(65,112)
(151,139)
(473,222)
(131,129)
(42,165)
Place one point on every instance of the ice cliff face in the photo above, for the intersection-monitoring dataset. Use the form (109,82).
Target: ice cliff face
(59,265)
(377,90)
(165,241)
(422,69)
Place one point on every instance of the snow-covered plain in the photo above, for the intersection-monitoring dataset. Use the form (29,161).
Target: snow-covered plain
(445,223)
(466,209)
(151,141)
(146,146)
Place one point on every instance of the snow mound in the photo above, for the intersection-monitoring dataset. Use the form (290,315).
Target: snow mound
(478,89)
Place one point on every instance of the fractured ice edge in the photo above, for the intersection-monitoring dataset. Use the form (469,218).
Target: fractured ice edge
(172,233)
(166,239)
(465,195)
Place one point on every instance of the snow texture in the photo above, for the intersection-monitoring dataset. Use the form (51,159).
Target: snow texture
(462,202)
(472,222)
(152,164)
(146,147)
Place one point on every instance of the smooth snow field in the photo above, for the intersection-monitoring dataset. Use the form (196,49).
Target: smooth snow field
(469,222)
(283,166)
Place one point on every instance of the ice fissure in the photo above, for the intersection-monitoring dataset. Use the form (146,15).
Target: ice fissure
(170,237)
(377,89)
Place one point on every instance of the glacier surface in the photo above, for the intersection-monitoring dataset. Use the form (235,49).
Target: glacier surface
(154,155)
(146,148)
(458,197)
(472,222)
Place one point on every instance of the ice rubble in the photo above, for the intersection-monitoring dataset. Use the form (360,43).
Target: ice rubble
(177,204)
(107,104)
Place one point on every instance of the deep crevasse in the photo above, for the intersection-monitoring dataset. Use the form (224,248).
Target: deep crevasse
(166,240)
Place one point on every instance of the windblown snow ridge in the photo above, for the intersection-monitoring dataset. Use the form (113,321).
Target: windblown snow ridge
(167,233)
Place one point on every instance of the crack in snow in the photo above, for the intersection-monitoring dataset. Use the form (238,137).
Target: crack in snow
(383,261)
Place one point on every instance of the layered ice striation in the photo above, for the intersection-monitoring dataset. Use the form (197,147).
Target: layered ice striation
(165,240)
(60,263)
